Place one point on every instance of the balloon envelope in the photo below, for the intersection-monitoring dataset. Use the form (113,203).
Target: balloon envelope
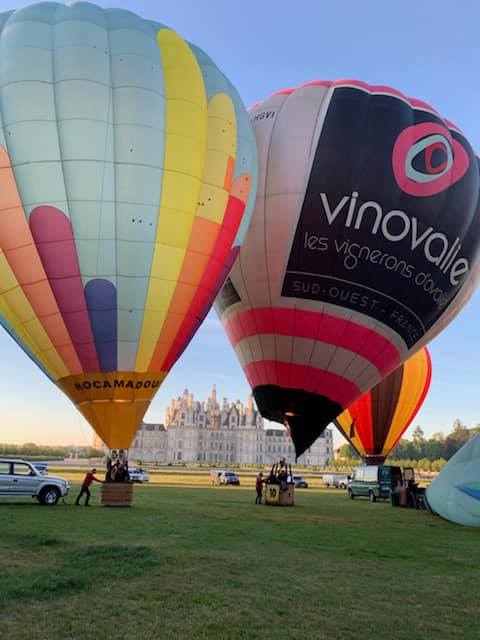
(127,169)
(375,422)
(364,243)
(455,492)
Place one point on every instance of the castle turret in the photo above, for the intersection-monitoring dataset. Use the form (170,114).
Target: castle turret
(250,406)
(212,400)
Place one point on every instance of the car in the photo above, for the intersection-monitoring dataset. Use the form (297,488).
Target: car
(220,476)
(374,481)
(20,479)
(299,482)
(228,477)
(138,475)
(336,480)
(42,467)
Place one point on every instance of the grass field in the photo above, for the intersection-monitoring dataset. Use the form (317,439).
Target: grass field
(202,562)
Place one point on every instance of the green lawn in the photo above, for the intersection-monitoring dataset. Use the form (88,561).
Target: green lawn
(204,562)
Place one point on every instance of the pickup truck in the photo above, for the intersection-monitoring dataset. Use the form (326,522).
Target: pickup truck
(20,479)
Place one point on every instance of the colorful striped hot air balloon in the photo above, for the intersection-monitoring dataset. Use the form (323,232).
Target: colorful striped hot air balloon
(127,180)
(375,422)
(364,244)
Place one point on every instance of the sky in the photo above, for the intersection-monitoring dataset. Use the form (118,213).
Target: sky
(428,49)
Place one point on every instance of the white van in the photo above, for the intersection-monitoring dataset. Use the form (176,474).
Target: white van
(336,480)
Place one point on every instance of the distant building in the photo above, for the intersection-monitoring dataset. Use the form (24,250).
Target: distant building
(230,433)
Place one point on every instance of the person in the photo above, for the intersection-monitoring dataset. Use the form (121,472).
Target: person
(114,471)
(87,481)
(282,478)
(121,474)
(108,476)
(259,488)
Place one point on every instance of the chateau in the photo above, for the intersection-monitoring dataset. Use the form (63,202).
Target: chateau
(216,433)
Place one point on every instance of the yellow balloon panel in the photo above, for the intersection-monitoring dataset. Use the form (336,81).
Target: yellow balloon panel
(119,211)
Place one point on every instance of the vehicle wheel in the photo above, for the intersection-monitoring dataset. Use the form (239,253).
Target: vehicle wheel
(351,494)
(371,496)
(327,485)
(49,496)
(342,486)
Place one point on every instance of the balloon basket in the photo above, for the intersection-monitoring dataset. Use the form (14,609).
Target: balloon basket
(276,496)
(117,494)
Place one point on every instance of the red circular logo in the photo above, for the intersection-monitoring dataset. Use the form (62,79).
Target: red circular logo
(427,160)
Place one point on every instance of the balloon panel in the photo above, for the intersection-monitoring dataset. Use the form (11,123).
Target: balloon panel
(397,246)
(455,493)
(375,422)
(363,245)
(127,165)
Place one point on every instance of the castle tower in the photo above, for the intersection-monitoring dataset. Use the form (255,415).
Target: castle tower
(212,400)
(250,406)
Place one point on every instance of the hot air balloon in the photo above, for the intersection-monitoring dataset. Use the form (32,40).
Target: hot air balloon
(455,493)
(375,422)
(364,243)
(128,170)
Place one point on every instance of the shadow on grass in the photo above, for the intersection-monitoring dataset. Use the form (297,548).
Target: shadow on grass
(72,571)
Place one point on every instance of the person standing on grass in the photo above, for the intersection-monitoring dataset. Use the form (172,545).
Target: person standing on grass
(259,488)
(87,481)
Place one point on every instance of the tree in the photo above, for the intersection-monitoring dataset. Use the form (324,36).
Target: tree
(404,450)
(434,449)
(424,464)
(418,437)
(456,439)
(347,451)
(458,426)
(437,465)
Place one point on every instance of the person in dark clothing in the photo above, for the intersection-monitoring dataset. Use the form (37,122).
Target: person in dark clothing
(115,471)
(87,481)
(108,476)
(259,488)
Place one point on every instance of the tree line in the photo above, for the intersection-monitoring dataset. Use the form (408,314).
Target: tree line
(32,451)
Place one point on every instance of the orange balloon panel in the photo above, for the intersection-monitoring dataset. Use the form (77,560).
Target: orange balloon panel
(375,422)
(126,189)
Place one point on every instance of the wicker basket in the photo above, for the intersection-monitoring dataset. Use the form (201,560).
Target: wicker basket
(117,494)
(275,496)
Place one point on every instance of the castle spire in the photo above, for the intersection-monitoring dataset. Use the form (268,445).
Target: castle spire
(213,397)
